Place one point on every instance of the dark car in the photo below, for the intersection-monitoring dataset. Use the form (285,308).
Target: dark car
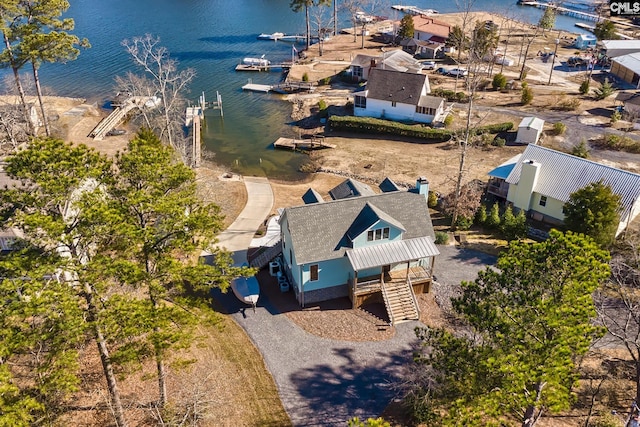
(576,61)
(116,132)
(442,70)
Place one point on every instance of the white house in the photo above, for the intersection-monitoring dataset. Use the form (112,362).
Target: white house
(585,41)
(394,95)
(529,130)
(428,28)
(540,181)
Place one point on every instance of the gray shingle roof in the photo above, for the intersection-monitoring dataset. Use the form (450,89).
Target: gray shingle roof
(350,188)
(430,101)
(319,231)
(395,86)
(562,174)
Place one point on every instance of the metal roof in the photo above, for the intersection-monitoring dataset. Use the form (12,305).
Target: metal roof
(531,123)
(562,174)
(392,253)
(319,230)
(503,170)
(630,61)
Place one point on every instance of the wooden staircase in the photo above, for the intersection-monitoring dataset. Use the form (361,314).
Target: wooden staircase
(400,301)
(267,254)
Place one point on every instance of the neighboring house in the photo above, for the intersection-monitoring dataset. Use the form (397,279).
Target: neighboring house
(585,41)
(540,181)
(627,68)
(630,102)
(428,28)
(615,48)
(396,60)
(394,95)
(425,48)
(529,130)
(369,248)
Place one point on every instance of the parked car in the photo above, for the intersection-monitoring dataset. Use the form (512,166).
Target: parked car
(460,72)
(442,70)
(428,65)
(576,61)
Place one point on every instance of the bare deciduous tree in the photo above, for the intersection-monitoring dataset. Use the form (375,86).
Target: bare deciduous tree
(168,83)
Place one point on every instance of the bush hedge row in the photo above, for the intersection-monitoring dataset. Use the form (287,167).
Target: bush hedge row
(380,126)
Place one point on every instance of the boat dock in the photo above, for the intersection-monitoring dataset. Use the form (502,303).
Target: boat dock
(286,87)
(315,143)
(281,65)
(413,10)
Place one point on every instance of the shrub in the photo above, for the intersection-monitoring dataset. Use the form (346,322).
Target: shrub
(448,120)
(305,77)
(559,128)
(605,90)
(450,95)
(568,105)
(442,238)
(432,200)
(513,227)
(493,220)
(499,82)
(615,116)
(481,215)
(585,87)
(527,95)
(325,81)
(618,143)
(322,105)
(499,142)
(463,223)
(581,150)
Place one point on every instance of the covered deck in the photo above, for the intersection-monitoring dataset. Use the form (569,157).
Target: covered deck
(401,262)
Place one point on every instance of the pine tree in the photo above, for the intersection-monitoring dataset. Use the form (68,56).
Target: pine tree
(493,221)
(548,19)
(406,29)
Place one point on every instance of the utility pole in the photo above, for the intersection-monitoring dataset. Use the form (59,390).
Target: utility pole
(553,60)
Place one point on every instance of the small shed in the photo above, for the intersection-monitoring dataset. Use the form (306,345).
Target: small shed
(529,130)
(585,41)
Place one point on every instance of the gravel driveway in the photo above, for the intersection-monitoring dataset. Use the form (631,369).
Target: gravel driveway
(326,382)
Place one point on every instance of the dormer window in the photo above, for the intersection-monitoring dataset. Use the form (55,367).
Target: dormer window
(378,234)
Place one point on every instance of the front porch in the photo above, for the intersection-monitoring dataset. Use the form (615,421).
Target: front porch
(366,290)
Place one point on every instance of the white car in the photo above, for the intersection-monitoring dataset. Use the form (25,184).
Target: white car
(460,72)
(428,65)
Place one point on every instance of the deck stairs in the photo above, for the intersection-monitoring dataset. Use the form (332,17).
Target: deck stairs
(267,253)
(400,301)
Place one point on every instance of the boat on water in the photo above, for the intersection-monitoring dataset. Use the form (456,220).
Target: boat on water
(272,36)
(246,289)
(256,62)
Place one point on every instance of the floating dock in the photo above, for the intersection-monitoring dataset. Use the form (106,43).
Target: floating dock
(315,143)
(254,87)
(286,87)
(270,67)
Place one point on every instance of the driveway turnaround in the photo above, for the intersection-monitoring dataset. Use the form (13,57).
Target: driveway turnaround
(324,382)
(238,236)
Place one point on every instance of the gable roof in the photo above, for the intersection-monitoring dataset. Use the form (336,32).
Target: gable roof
(312,196)
(395,86)
(430,25)
(350,188)
(562,174)
(399,60)
(388,186)
(531,123)
(368,216)
(318,231)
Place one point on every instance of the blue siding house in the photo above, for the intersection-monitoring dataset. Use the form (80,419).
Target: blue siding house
(366,246)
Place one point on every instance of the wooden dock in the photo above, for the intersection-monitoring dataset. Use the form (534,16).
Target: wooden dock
(315,143)
(270,67)
(286,87)
(254,87)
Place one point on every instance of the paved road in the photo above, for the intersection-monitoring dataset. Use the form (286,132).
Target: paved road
(238,236)
(324,382)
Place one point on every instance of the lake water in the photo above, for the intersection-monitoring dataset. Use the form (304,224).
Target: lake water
(212,36)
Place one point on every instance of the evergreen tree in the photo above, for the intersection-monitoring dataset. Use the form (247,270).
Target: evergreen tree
(298,5)
(512,226)
(493,221)
(527,94)
(61,209)
(606,30)
(406,29)
(581,150)
(481,215)
(532,318)
(605,90)
(594,211)
(457,39)
(548,19)
(166,227)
